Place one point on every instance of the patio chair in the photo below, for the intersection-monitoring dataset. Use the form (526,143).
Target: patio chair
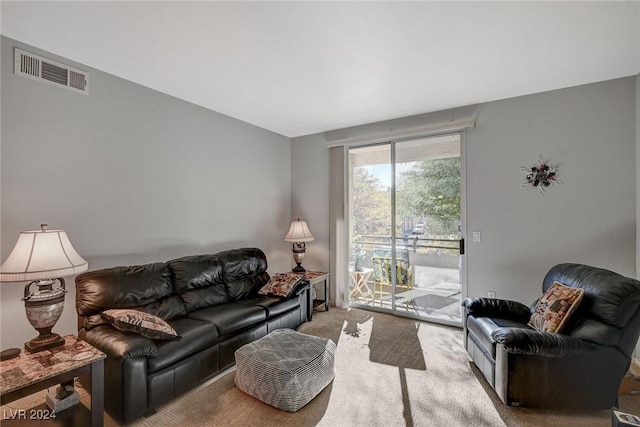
(382,278)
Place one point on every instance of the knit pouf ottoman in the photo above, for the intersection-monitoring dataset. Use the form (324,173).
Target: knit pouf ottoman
(286,368)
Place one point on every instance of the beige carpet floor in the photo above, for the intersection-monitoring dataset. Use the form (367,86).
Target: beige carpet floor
(390,371)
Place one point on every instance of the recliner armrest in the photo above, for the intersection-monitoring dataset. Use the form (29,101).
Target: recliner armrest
(548,344)
(492,307)
(119,345)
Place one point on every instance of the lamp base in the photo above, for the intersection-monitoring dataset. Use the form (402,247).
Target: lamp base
(298,256)
(44,342)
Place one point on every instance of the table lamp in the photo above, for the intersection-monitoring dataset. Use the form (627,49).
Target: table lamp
(42,257)
(298,234)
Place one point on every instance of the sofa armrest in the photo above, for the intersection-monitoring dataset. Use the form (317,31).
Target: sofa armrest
(119,345)
(307,300)
(305,286)
(547,344)
(492,307)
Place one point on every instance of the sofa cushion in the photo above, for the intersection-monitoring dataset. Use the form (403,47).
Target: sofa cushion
(145,288)
(141,323)
(230,318)
(244,272)
(246,287)
(205,297)
(240,263)
(274,305)
(196,271)
(282,285)
(555,307)
(198,280)
(196,335)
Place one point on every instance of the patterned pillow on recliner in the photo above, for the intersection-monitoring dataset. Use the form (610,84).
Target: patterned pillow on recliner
(555,307)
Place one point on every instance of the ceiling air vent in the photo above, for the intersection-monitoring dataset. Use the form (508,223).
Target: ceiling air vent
(43,69)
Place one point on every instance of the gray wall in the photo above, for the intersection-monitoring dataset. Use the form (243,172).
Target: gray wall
(310,196)
(136,176)
(590,218)
(133,176)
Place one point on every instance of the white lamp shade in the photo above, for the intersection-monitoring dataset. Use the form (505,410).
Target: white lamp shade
(298,232)
(41,255)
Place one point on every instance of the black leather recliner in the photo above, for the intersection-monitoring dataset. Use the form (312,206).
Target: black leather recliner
(580,368)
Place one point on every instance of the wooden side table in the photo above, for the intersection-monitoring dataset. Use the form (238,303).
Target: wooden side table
(316,277)
(359,281)
(32,372)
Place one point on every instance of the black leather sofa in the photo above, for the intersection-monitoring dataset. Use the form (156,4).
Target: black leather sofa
(582,366)
(212,303)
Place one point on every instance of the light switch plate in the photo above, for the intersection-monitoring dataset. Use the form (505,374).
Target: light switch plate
(477,237)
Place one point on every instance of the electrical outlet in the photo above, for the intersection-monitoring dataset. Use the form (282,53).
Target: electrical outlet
(491,294)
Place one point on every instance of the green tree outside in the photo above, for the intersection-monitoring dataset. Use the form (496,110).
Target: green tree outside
(371,205)
(431,191)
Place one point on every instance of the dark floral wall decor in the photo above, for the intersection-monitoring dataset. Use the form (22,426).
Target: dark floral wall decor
(541,175)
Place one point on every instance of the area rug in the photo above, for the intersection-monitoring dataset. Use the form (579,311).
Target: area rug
(390,371)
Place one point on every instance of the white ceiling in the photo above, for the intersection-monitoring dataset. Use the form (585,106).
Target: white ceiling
(298,68)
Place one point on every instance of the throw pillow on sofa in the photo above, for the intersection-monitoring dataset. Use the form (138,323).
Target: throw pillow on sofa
(555,307)
(140,323)
(282,285)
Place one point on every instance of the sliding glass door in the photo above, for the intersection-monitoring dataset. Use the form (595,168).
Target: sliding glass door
(405,227)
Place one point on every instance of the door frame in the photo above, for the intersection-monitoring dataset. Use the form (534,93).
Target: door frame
(463,222)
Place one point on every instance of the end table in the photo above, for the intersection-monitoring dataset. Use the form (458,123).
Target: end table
(32,372)
(317,277)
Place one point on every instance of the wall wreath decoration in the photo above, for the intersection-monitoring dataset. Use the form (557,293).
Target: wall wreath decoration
(541,175)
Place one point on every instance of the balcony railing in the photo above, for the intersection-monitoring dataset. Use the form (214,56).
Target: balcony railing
(412,242)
